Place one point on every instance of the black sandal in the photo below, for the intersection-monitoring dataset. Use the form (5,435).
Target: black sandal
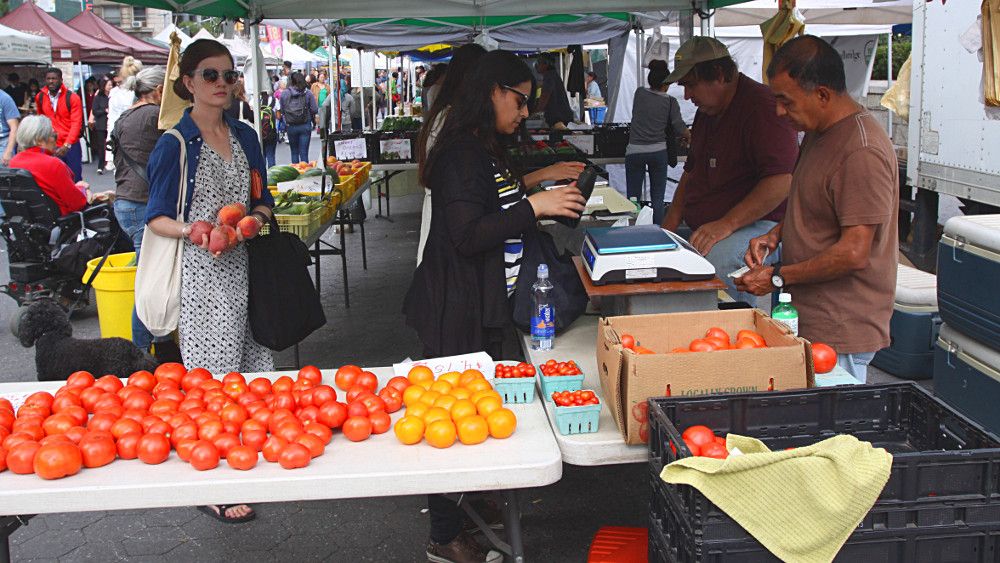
(221,514)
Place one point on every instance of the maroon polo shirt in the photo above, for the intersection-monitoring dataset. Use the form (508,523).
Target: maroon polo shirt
(731,152)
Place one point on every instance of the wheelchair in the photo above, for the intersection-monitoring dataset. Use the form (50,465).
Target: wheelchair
(47,253)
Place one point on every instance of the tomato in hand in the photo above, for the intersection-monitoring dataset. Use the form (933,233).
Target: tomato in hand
(824,357)
(153,448)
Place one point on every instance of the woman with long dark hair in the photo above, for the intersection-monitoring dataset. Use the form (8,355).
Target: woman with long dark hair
(458,301)
(98,122)
(463,61)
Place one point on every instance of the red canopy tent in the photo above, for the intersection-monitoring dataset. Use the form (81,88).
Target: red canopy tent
(89,23)
(68,44)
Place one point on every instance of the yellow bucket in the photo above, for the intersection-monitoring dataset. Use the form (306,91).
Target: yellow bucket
(115,290)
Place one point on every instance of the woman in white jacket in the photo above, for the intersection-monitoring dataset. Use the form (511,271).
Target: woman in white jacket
(122,96)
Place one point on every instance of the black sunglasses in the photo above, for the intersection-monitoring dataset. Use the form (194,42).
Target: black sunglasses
(522,97)
(211,75)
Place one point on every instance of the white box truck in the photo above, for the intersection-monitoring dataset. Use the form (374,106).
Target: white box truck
(953,138)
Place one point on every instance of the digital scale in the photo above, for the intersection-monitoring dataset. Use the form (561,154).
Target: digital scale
(643,253)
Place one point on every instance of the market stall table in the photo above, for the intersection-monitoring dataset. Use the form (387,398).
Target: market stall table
(341,218)
(379,466)
(389,171)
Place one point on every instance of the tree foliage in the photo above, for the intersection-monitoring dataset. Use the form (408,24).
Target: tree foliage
(900,50)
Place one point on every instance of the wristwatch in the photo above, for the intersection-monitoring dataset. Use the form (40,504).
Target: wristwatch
(776,279)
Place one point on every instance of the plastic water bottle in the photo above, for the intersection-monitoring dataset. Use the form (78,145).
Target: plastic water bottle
(785,313)
(543,317)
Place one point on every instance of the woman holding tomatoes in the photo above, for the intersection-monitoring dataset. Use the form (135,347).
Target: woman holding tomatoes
(458,301)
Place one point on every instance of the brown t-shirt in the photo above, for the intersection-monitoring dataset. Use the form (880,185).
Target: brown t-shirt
(846,176)
(732,152)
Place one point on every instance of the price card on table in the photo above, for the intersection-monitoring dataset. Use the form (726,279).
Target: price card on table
(396,149)
(479,361)
(350,149)
(583,142)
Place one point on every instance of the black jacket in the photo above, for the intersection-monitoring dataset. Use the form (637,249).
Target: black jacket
(460,288)
(100,112)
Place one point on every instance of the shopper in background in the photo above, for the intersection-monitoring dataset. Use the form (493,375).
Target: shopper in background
(64,109)
(122,97)
(33,90)
(458,301)
(593,88)
(268,127)
(299,109)
(240,108)
(656,117)
(356,109)
(320,88)
(134,137)
(98,122)
(839,239)
(9,119)
(432,83)
(554,100)
(17,90)
(36,141)
(739,166)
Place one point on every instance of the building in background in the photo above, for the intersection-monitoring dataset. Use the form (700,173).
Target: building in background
(139,21)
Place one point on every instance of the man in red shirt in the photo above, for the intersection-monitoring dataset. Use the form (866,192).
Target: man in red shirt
(739,166)
(64,108)
(35,140)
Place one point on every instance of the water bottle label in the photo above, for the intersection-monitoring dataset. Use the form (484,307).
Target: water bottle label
(543,324)
(791,322)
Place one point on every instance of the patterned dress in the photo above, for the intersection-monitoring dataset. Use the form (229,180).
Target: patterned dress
(214,321)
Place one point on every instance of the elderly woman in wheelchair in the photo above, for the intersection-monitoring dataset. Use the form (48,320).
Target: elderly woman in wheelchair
(50,230)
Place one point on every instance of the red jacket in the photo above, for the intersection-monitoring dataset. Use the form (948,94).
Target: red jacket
(53,176)
(67,121)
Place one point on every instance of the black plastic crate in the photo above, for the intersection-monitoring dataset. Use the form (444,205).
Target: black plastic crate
(671,541)
(941,460)
(611,139)
(341,136)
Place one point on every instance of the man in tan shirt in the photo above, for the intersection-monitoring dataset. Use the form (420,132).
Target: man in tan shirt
(839,239)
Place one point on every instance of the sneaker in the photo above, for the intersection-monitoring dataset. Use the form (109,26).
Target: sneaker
(462,549)
(100,171)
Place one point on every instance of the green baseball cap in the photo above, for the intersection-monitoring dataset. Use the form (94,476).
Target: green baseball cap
(696,50)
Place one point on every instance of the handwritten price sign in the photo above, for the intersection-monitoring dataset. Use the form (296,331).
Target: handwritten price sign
(479,361)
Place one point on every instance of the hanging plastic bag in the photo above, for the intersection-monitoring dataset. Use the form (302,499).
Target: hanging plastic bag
(645,216)
(897,98)
(657,48)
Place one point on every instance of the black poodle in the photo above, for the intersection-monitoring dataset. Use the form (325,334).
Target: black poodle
(45,326)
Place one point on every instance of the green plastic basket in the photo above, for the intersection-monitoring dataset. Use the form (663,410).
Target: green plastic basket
(578,420)
(558,383)
(515,389)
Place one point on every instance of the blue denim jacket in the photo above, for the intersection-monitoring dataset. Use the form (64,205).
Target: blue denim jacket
(163,168)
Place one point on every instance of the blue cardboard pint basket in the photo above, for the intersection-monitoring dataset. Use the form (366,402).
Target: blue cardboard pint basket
(515,389)
(558,383)
(597,114)
(578,420)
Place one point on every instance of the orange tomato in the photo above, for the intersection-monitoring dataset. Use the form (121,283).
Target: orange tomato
(445,402)
(450,378)
(460,393)
(744,343)
(412,394)
(462,408)
(502,423)
(441,433)
(702,345)
(720,343)
(472,430)
(429,397)
(436,413)
(754,336)
(409,430)
(486,405)
(441,386)
(419,374)
(716,332)
(417,409)
(469,376)
(478,385)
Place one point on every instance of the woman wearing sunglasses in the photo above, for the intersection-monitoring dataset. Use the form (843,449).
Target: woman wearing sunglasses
(223,155)
(458,301)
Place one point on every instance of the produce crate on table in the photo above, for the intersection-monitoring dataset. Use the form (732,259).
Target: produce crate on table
(392,147)
(943,484)
(582,419)
(516,390)
(349,146)
(300,225)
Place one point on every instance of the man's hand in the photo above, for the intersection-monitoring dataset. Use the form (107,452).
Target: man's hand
(766,243)
(5,158)
(709,234)
(61,151)
(757,281)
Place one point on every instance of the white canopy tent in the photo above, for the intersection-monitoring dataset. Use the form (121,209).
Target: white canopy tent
(851,12)
(163,37)
(18,47)
(292,52)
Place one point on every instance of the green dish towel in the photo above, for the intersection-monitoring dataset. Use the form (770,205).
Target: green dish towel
(801,504)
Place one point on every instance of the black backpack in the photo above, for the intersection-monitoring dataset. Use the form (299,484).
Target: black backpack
(297,109)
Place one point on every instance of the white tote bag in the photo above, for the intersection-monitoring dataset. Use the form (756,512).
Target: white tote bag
(657,48)
(158,276)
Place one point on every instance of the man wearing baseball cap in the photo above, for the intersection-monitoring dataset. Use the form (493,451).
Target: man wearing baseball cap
(739,166)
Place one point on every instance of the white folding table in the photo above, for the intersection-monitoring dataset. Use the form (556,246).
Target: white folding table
(379,466)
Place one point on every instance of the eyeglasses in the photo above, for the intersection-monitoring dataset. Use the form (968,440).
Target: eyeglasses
(522,97)
(211,75)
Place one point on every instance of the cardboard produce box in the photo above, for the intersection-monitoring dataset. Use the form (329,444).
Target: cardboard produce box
(628,378)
